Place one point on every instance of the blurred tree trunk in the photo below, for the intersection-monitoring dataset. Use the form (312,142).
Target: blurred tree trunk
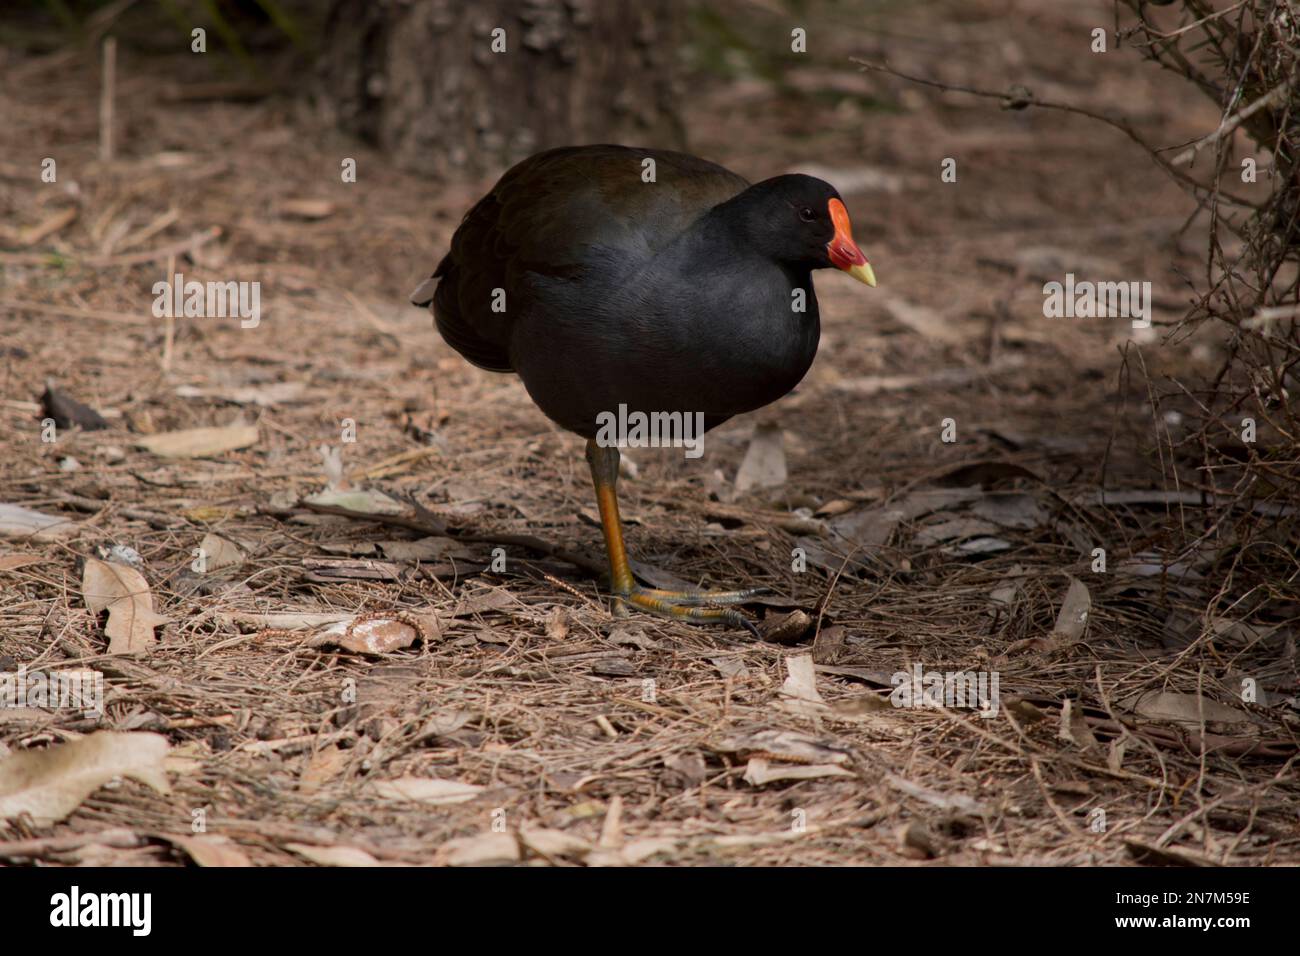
(420,79)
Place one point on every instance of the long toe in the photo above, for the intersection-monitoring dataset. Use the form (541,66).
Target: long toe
(647,599)
(702,598)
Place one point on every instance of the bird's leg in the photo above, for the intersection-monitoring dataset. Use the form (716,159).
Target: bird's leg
(682,605)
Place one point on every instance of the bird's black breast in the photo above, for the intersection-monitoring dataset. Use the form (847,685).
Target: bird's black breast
(696,331)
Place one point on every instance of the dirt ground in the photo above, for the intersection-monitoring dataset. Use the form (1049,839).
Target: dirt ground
(579,738)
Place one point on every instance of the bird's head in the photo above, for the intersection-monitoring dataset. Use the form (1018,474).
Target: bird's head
(804,221)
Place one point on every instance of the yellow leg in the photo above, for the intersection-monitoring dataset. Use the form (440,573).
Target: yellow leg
(680,605)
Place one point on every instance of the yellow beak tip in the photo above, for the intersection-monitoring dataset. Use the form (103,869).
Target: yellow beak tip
(863,273)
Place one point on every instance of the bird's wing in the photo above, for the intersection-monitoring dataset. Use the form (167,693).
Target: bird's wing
(554,215)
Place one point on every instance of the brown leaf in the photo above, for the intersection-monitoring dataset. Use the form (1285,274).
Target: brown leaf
(125,594)
(487,849)
(828,643)
(361,501)
(1074,727)
(785,628)
(764,463)
(553,843)
(484,599)
(333,855)
(322,767)
(286,620)
(219,553)
(19,522)
(52,782)
(12,562)
(426,790)
(1187,709)
(307,208)
(199,442)
(783,745)
(1072,619)
(917,841)
(275,393)
(210,849)
(760,772)
(366,636)
(799,692)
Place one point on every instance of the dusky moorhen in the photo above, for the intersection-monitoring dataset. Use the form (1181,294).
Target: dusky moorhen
(602,286)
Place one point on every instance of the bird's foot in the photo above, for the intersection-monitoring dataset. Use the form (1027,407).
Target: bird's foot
(695,606)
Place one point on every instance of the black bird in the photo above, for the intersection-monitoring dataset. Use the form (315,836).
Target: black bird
(671,286)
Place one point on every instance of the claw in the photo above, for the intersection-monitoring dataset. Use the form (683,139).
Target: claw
(690,605)
(694,605)
(700,598)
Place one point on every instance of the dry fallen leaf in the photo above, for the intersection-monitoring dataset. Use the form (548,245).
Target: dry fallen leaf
(1011,509)
(947,802)
(219,553)
(486,849)
(730,666)
(1115,754)
(828,643)
(322,767)
(1073,616)
(125,594)
(287,620)
(361,501)
(632,853)
(1187,709)
(785,628)
(19,522)
(953,529)
(760,772)
(553,843)
(199,442)
(482,600)
(275,393)
(12,562)
(51,783)
(426,790)
(210,849)
(370,636)
(918,841)
(1074,727)
(427,549)
(764,463)
(333,855)
(784,745)
(307,208)
(799,692)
